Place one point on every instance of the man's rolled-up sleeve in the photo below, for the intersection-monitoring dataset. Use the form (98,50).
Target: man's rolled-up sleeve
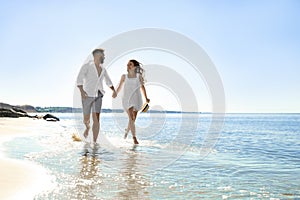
(107,79)
(81,75)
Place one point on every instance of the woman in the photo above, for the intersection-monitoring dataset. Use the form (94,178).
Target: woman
(132,99)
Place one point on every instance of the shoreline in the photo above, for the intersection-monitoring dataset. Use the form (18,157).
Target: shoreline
(20,179)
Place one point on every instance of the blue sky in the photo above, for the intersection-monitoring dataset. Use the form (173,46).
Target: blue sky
(254,45)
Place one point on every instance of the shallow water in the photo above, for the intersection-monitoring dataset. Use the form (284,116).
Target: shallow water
(254,156)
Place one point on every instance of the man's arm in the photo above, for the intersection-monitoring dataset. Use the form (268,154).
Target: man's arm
(82,92)
(109,83)
(79,81)
(82,73)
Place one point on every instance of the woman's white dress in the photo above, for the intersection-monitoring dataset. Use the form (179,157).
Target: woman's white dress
(132,96)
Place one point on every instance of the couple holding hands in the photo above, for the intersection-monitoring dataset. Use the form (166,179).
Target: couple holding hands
(90,83)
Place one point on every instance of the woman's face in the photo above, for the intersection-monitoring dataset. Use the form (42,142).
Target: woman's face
(130,66)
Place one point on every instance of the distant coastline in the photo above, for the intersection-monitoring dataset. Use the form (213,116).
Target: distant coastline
(104,110)
(19,110)
(58,109)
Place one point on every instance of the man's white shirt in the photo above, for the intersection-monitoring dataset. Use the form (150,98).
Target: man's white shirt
(91,82)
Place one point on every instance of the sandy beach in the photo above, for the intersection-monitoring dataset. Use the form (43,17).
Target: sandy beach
(20,179)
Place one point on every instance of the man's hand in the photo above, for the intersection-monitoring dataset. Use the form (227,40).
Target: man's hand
(84,95)
(114,95)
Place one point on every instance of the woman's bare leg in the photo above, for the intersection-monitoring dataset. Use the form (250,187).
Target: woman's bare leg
(127,129)
(134,136)
(131,115)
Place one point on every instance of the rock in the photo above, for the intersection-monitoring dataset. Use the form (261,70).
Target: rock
(5,105)
(8,113)
(4,112)
(16,109)
(7,110)
(49,117)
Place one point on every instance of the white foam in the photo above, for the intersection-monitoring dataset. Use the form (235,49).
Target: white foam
(40,180)
(120,143)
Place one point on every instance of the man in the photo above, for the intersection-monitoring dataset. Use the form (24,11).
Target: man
(90,83)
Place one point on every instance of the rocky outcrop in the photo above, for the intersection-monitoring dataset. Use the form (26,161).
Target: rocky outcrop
(49,117)
(4,112)
(7,110)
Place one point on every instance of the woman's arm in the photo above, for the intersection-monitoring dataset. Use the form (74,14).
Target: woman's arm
(144,89)
(120,84)
(145,93)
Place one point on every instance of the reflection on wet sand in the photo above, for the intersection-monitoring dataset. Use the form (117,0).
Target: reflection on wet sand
(134,183)
(89,179)
(124,180)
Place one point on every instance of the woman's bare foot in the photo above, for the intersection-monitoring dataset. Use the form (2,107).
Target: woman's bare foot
(126,133)
(135,140)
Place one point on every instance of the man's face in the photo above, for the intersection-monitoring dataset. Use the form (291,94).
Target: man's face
(100,57)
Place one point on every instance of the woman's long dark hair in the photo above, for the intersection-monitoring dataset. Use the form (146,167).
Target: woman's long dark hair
(138,68)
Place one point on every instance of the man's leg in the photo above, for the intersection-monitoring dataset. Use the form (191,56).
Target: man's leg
(86,121)
(96,125)
(86,107)
(96,110)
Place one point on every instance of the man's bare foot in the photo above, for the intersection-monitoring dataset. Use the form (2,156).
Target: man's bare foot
(86,133)
(95,146)
(135,140)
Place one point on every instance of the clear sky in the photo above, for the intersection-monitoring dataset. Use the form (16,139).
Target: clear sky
(254,44)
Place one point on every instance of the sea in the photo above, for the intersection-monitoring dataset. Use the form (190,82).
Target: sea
(180,156)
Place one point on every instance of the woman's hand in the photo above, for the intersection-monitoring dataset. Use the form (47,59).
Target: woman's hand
(147,100)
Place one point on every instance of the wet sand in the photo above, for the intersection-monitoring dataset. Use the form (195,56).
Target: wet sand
(20,179)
